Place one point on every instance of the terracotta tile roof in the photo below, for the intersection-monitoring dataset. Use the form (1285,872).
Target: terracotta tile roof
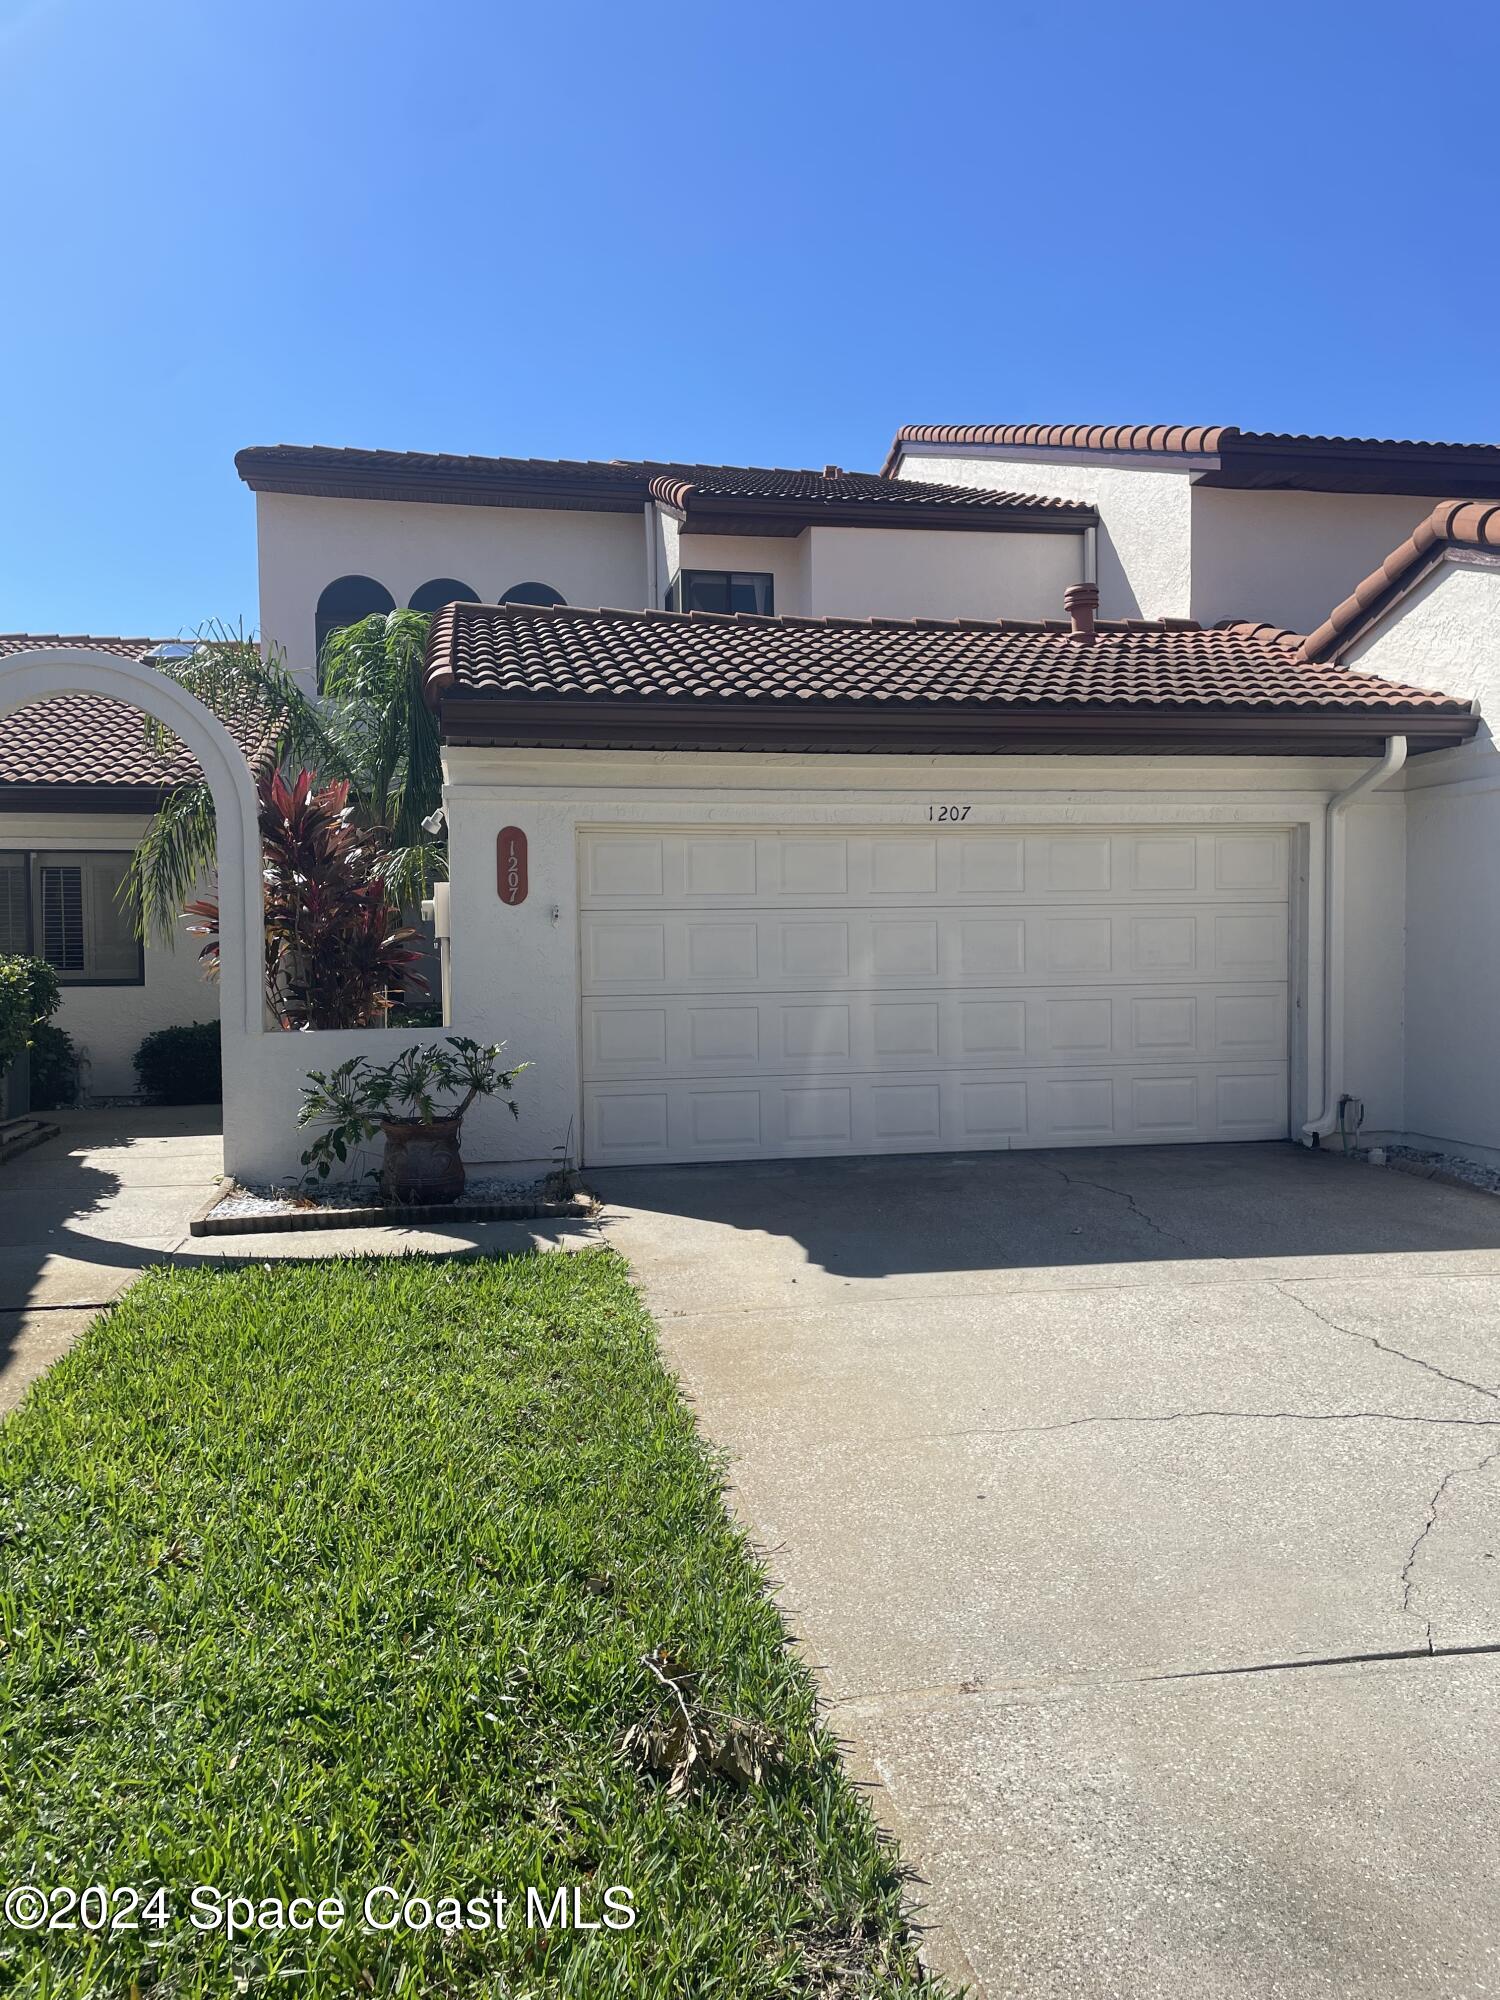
(679,486)
(1245,458)
(1174,438)
(1458,524)
(773,499)
(565,655)
(82,741)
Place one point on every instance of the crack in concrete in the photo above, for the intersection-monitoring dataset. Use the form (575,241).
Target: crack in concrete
(1434,1506)
(1120,1194)
(1394,1654)
(1002,1686)
(1373,1340)
(1245,1416)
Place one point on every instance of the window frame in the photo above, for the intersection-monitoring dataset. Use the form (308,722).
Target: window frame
(325,624)
(677,589)
(31,863)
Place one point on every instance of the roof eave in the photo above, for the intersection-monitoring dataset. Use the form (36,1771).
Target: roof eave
(450,488)
(723,514)
(910,728)
(81,797)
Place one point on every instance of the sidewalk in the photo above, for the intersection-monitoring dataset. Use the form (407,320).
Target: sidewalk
(83,1215)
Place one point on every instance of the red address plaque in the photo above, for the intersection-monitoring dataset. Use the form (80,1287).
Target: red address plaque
(510,864)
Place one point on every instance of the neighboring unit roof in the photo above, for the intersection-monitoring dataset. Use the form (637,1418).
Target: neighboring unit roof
(708,499)
(525,674)
(1452,525)
(1264,459)
(86,752)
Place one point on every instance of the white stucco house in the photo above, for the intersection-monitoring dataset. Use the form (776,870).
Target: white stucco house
(1052,786)
(1026,793)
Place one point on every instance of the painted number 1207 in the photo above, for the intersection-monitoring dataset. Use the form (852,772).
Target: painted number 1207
(948,812)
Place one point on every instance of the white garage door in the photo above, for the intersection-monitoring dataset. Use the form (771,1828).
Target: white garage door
(782,994)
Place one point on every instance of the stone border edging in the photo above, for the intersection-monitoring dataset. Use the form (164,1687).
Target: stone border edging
(1420,1170)
(407,1215)
(19,1135)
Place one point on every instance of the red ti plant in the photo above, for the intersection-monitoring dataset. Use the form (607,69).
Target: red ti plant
(335,946)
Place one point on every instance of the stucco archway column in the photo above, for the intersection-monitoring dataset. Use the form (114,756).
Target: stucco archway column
(45,672)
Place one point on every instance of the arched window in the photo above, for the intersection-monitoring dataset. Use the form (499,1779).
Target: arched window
(346,600)
(533,593)
(442,590)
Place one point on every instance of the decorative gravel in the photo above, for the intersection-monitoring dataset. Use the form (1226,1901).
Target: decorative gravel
(1474,1173)
(264,1200)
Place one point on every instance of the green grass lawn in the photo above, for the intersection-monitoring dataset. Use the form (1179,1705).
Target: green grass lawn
(321,1577)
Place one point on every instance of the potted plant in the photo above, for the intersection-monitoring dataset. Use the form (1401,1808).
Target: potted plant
(417,1103)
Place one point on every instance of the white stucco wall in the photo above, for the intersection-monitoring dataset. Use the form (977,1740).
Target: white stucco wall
(930,573)
(1145,519)
(1291,557)
(1375,958)
(782,557)
(109,1022)
(1444,635)
(306,543)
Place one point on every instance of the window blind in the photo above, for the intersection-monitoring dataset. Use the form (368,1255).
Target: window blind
(62,917)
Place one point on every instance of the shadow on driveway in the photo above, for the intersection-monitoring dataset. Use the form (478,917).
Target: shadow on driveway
(1059,1210)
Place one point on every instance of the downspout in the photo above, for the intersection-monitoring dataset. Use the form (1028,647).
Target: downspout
(1327,1120)
(653,568)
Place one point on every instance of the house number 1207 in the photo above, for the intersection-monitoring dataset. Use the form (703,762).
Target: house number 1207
(510,865)
(949,812)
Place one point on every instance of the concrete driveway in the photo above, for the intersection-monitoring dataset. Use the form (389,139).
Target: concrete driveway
(1141,1511)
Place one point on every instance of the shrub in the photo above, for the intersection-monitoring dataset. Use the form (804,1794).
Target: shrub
(54,1068)
(181,1065)
(335,944)
(29,995)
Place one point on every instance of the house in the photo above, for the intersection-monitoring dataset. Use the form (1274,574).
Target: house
(1028,792)
(1052,786)
(78,781)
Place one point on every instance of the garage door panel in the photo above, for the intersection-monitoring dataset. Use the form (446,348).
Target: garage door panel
(802,992)
(727,1034)
(737,1118)
(953,863)
(634,951)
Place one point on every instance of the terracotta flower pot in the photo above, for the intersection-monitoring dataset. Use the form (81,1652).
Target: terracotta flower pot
(422,1164)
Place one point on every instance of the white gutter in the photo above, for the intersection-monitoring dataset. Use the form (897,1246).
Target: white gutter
(1327,1121)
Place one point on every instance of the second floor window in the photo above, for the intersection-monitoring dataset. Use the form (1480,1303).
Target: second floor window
(722,590)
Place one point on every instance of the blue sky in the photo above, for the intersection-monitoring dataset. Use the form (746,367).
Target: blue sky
(762,234)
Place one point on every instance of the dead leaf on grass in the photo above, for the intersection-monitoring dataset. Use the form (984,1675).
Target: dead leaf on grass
(696,1739)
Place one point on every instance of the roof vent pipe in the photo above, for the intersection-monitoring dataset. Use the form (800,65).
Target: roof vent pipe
(1081,601)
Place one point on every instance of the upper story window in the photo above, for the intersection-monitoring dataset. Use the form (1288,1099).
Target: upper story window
(346,600)
(66,907)
(533,593)
(440,591)
(722,590)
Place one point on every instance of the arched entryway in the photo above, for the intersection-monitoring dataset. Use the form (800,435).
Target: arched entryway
(44,673)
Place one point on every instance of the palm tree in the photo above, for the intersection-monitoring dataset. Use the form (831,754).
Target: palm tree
(387,736)
(371,728)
